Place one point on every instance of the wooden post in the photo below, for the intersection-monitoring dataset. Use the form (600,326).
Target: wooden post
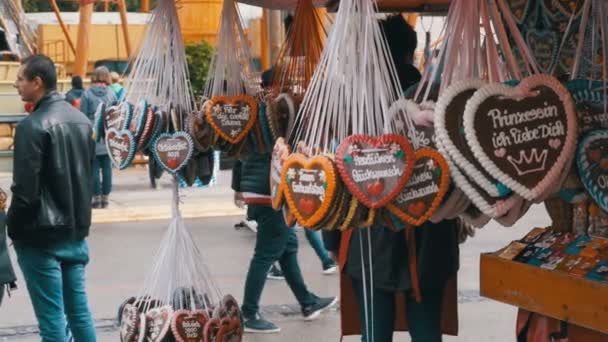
(106,6)
(145,6)
(66,33)
(276,28)
(125,25)
(265,53)
(84,30)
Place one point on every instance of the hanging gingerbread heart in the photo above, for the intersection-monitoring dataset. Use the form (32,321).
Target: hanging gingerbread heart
(212,328)
(188,326)
(519,9)
(200,131)
(592,163)
(232,117)
(562,8)
(281,113)
(422,117)
(173,150)
(524,135)
(590,104)
(119,116)
(280,152)
(425,189)
(147,133)
(121,147)
(449,129)
(138,120)
(309,185)
(544,46)
(158,323)
(132,324)
(375,169)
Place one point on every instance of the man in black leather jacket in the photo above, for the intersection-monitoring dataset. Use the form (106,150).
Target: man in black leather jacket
(50,212)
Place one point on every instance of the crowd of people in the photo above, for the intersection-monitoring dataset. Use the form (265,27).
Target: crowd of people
(61,173)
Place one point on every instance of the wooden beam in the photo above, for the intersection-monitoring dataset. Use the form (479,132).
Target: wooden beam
(145,6)
(264,46)
(66,33)
(84,30)
(122,7)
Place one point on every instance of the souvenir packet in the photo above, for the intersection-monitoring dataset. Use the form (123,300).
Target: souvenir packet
(594,248)
(527,254)
(534,235)
(540,257)
(563,241)
(599,272)
(547,239)
(568,263)
(584,267)
(553,260)
(512,250)
(577,246)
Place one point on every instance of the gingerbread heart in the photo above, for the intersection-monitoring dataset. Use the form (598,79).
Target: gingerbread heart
(212,328)
(200,131)
(519,9)
(280,152)
(281,113)
(424,192)
(449,129)
(189,326)
(119,116)
(375,169)
(131,323)
(309,186)
(148,131)
(544,46)
(565,8)
(523,135)
(173,150)
(158,323)
(592,164)
(232,117)
(404,113)
(589,99)
(121,147)
(230,330)
(138,120)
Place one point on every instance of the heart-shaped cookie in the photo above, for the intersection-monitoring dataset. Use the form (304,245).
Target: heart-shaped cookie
(158,323)
(424,192)
(280,152)
(138,120)
(519,9)
(119,116)
(534,124)
(212,328)
(200,131)
(589,99)
(375,169)
(173,150)
(147,133)
(309,186)
(121,147)
(232,117)
(404,113)
(592,164)
(131,323)
(281,112)
(189,326)
(562,8)
(230,330)
(449,129)
(544,46)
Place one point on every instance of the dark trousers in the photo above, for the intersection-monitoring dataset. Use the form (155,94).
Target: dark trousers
(424,318)
(102,175)
(275,242)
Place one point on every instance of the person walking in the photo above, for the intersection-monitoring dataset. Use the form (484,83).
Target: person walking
(98,93)
(7,275)
(50,212)
(116,87)
(274,242)
(73,95)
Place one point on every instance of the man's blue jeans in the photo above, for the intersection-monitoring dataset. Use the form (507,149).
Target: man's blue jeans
(55,279)
(102,183)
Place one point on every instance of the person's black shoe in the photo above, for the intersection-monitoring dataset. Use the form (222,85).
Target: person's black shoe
(259,325)
(330,268)
(313,311)
(275,273)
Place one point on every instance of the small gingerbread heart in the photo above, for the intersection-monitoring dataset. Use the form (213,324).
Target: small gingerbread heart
(121,147)
(158,323)
(189,326)
(130,323)
(280,152)
(232,117)
(592,164)
(173,150)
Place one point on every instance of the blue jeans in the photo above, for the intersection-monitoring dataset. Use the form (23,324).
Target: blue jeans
(55,279)
(314,238)
(274,242)
(102,186)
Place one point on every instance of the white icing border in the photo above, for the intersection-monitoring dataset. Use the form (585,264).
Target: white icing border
(441,133)
(526,84)
(583,166)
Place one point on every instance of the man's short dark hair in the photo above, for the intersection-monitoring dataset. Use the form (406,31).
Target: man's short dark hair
(43,67)
(76,82)
(400,36)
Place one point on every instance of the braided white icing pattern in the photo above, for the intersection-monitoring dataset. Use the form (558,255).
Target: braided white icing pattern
(441,133)
(584,168)
(529,83)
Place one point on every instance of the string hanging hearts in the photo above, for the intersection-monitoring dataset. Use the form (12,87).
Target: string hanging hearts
(232,110)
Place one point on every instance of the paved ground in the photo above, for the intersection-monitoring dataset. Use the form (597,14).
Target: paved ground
(121,256)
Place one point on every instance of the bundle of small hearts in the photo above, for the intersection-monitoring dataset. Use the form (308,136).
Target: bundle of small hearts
(293,69)
(350,167)
(158,102)
(230,117)
(179,300)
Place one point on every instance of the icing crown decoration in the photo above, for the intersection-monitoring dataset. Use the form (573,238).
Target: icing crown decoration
(529,162)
